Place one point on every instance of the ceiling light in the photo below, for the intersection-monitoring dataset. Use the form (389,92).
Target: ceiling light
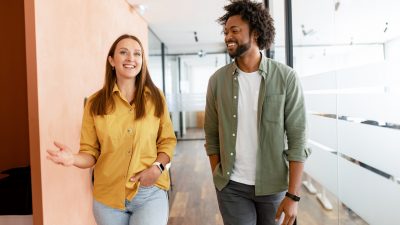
(337,4)
(140,8)
(201,53)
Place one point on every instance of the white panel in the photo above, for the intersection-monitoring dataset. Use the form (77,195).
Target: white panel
(372,197)
(321,103)
(186,102)
(193,102)
(378,107)
(378,147)
(322,167)
(392,71)
(365,76)
(323,130)
(392,48)
(319,81)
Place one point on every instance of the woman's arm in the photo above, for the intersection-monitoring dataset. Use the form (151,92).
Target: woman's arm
(65,157)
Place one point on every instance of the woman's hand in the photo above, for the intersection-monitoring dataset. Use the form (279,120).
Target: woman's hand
(62,156)
(147,177)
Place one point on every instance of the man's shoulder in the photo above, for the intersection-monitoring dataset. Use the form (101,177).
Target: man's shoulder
(279,67)
(224,71)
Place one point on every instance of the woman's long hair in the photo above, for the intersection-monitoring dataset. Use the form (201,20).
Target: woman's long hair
(103,102)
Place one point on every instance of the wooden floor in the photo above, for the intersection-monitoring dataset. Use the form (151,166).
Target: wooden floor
(193,199)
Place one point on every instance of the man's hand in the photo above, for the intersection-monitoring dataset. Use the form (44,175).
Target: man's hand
(289,208)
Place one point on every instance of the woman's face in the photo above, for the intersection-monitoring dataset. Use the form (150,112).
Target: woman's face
(127,59)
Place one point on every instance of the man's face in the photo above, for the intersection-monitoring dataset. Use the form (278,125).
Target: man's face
(237,36)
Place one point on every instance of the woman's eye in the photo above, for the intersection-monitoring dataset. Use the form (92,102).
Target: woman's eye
(138,54)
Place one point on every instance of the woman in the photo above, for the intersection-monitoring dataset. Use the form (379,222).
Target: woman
(128,137)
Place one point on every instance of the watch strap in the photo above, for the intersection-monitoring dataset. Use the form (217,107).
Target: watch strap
(292,196)
(159,165)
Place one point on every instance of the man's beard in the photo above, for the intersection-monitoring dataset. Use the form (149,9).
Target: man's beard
(240,50)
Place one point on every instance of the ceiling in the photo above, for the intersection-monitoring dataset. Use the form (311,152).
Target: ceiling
(175,21)
(315,22)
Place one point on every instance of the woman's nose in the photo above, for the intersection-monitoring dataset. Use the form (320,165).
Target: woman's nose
(130,57)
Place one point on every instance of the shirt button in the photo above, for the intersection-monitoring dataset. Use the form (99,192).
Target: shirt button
(235,78)
(129,130)
(234,134)
(228,173)
(231,153)
(235,97)
(234,116)
(129,152)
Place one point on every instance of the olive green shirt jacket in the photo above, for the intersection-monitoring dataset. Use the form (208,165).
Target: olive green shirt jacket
(281,117)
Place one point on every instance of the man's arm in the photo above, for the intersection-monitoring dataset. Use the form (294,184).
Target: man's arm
(211,127)
(295,127)
(295,174)
(214,160)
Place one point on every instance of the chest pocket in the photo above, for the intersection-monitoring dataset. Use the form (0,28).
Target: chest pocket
(273,108)
(109,132)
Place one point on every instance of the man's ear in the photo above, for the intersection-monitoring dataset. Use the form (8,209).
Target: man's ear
(255,35)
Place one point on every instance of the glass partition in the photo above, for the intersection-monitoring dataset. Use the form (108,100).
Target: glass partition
(278,14)
(155,59)
(345,53)
(192,74)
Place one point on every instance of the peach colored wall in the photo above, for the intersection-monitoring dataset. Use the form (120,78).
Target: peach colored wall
(33,117)
(72,41)
(14,138)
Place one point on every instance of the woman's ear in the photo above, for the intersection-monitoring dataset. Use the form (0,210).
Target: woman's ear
(111,61)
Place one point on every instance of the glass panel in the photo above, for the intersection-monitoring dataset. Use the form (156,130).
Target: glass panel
(313,59)
(155,57)
(188,101)
(277,12)
(345,55)
(369,123)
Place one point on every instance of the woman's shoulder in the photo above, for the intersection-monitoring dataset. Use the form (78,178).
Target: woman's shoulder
(92,96)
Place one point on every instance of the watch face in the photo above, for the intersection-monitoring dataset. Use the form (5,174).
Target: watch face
(161,166)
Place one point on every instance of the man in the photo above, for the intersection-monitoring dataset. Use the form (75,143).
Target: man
(253,105)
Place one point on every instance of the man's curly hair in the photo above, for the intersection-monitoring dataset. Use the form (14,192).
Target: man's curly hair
(256,15)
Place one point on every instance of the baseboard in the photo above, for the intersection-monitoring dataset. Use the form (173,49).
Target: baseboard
(16,220)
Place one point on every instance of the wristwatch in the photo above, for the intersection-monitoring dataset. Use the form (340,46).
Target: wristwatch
(159,165)
(292,196)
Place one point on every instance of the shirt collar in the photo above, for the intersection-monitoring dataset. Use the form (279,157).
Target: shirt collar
(262,69)
(116,89)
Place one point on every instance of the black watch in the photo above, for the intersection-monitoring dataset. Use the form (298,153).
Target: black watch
(159,165)
(292,196)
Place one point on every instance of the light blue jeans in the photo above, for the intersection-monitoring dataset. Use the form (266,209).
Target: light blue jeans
(148,207)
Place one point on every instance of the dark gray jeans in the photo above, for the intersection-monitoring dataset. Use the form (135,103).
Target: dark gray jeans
(239,205)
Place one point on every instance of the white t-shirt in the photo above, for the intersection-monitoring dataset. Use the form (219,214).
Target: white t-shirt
(244,169)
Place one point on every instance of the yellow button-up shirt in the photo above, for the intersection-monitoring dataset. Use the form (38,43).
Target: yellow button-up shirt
(124,146)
